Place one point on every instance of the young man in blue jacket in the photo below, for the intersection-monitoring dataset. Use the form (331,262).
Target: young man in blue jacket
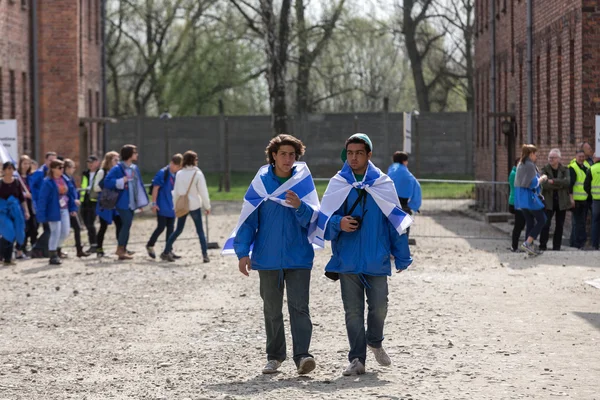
(125,177)
(162,201)
(35,183)
(276,232)
(407,186)
(364,230)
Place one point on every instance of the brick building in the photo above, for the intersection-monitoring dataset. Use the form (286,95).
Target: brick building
(566,82)
(51,74)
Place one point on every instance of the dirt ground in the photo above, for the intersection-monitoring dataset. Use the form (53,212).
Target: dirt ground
(468,320)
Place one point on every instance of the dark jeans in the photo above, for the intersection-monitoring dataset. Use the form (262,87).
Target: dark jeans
(579,222)
(536,219)
(127,219)
(163,222)
(104,227)
(88,214)
(31,232)
(271,291)
(518,227)
(76,230)
(558,229)
(353,297)
(7,249)
(197,217)
(596,224)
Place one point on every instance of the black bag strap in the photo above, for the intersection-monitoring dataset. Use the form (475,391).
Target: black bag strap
(362,195)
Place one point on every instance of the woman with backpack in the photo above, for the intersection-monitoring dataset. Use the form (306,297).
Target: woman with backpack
(190,195)
(56,205)
(106,216)
(69,171)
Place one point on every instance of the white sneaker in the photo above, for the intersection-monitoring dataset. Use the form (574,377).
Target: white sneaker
(354,368)
(381,356)
(307,364)
(271,367)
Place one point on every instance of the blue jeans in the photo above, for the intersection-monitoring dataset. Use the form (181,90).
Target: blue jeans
(197,217)
(59,230)
(272,284)
(127,221)
(163,222)
(353,297)
(536,220)
(596,224)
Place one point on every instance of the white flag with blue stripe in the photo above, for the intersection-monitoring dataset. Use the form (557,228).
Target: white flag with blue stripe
(301,183)
(376,183)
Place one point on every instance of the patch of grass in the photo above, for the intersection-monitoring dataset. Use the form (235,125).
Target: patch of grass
(432,190)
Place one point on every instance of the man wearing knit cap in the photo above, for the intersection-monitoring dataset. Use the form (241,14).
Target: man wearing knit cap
(361,215)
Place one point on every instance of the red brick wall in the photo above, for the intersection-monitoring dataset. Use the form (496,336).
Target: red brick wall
(14,56)
(558,25)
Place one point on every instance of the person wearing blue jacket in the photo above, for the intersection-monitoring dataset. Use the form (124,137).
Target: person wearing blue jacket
(35,181)
(407,186)
(126,178)
(283,256)
(56,205)
(362,239)
(528,196)
(13,213)
(162,201)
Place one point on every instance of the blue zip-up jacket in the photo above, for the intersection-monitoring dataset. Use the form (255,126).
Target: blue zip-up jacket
(73,190)
(48,204)
(279,234)
(35,181)
(12,221)
(407,186)
(529,198)
(114,180)
(367,250)
(164,200)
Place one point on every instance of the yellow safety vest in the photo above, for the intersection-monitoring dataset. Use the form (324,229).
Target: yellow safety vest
(84,185)
(579,193)
(585,162)
(595,171)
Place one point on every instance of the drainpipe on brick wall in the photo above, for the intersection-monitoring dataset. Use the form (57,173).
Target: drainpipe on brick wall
(529,71)
(493,98)
(104,99)
(35,90)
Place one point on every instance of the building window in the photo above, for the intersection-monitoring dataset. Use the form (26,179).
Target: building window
(572,91)
(12,86)
(24,114)
(559,90)
(548,101)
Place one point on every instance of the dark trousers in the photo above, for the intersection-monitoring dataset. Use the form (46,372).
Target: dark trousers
(558,229)
(31,232)
(104,227)
(163,222)
(297,284)
(42,241)
(353,297)
(6,248)
(88,214)
(197,218)
(596,224)
(579,224)
(127,219)
(535,219)
(76,231)
(518,227)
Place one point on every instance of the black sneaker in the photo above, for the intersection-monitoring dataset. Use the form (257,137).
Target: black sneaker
(167,257)
(151,252)
(205,259)
(175,256)
(99,253)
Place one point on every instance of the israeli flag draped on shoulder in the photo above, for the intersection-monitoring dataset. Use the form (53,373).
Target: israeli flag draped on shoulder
(301,183)
(376,183)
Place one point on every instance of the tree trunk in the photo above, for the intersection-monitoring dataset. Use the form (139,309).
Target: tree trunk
(303,76)
(416,61)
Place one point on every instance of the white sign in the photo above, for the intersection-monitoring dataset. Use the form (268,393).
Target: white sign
(9,138)
(597,146)
(407,134)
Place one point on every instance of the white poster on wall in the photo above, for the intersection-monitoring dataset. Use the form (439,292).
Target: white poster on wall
(407,133)
(597,144)
(9,139)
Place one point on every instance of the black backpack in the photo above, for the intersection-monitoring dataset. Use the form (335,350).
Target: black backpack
(165,177)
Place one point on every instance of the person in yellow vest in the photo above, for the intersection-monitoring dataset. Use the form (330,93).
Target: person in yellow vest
(589,153)
(89,198)
(592,188)
(579,199)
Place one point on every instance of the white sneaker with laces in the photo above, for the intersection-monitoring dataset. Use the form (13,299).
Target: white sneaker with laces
(271,367)
(307,364)
(354,368)
(381,356)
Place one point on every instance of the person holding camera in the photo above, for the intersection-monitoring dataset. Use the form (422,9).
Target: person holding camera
(362,216)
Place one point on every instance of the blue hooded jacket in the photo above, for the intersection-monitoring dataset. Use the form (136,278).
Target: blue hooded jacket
(12,221)
(35,181)
(114,180)
(164,200)
(48,203)
(279,233)
(367,250)
(407,186)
